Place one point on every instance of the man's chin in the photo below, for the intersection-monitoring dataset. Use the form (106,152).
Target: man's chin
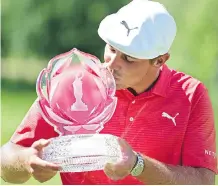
(119,87)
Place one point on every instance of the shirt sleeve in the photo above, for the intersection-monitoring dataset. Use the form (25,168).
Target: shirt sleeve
(32,128)
(199,148)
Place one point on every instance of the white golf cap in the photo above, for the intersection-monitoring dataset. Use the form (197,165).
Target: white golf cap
(142,29)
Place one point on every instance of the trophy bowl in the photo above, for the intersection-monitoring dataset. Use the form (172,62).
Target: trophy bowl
(76,93)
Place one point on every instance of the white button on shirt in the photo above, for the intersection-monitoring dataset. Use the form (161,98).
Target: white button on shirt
(133,102)
(131,119)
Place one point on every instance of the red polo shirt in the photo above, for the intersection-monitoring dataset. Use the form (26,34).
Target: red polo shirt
(173,123)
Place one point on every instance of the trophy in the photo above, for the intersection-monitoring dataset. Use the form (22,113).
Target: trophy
(76,95)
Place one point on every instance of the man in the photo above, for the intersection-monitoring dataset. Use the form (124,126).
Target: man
(164,118)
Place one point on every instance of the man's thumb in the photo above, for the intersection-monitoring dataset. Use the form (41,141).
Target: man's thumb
(41,144)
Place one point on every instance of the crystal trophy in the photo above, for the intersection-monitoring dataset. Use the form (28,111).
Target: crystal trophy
(76,95)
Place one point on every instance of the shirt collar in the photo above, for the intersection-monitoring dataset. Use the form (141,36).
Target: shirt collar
(160,88)
(163,83)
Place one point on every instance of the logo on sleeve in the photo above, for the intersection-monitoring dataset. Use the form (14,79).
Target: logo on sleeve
(210,153)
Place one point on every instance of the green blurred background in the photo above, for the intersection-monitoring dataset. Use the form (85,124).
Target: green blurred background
(34,31)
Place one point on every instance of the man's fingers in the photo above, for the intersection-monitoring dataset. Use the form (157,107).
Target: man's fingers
(38,163)
(123,144)
(42,170)
(43,176)
(40,144)
(111,172)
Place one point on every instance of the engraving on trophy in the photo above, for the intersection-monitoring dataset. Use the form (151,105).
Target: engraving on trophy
(78,93)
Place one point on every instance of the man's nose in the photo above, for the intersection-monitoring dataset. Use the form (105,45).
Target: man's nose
(114,63)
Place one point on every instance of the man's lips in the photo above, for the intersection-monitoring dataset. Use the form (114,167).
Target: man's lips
(116,77)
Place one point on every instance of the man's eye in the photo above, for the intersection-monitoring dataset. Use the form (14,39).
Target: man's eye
(127,60)
(130,62)
(112,49)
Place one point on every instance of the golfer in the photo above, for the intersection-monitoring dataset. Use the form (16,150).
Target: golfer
(163,117)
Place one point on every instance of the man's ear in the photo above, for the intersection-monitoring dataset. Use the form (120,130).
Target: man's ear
(158,62)
(161,60)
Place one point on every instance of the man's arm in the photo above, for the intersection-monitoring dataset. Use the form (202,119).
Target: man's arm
(20,163)
(198,166)
(20,157)
(156,173)
(200,137)
(13,163)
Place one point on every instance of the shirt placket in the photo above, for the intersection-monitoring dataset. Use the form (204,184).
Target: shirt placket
(130,117)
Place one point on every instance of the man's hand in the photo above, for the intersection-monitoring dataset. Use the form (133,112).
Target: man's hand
(157,172)
(38,168)
(121,169)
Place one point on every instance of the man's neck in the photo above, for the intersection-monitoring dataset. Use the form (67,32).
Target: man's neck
(147,88)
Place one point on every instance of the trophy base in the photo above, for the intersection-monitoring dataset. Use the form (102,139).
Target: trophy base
(81,153)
